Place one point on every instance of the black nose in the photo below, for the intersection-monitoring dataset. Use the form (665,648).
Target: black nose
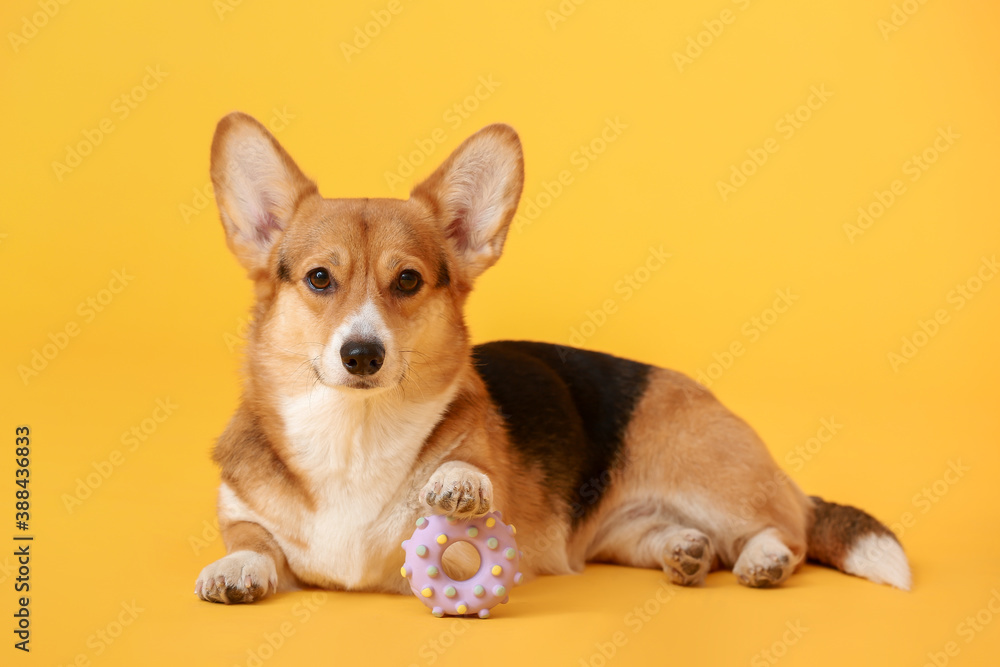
(362,358)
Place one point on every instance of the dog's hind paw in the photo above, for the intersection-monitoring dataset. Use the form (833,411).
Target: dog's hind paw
(688,557)
(764,562)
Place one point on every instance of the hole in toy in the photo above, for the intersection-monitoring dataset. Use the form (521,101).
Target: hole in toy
(460,561)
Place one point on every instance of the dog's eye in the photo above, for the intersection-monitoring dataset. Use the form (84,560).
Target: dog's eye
(408,281)
(319,279)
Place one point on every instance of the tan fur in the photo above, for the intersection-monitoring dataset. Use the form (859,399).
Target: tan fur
(691,464)
(324,473)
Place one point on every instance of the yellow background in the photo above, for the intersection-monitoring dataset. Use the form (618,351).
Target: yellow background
(145,531)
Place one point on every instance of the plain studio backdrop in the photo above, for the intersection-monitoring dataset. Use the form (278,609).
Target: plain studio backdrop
(793,202)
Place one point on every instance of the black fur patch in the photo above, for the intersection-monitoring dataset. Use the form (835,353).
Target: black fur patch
(566,412)
(284,273)
(444,278)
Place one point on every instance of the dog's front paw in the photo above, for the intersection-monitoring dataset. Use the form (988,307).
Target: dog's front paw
(242,576)
(460,490)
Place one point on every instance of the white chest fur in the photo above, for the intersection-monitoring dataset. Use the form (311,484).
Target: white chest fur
(357,455)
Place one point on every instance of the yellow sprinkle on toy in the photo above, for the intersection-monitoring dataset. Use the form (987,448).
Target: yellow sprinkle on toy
(491,522)
(497,570)
(427,592)
(402,570)
(461,609)
(442,538)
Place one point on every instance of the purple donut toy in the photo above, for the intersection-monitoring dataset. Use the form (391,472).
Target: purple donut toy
(498,568)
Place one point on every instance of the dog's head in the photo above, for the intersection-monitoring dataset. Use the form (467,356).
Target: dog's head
(362,294)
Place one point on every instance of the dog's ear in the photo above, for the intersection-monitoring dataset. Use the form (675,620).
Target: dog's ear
(257,188)
(475,193)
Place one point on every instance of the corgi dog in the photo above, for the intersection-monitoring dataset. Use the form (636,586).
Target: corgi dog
(366,407)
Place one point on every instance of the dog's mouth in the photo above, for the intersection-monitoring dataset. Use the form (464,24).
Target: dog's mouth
(362,383)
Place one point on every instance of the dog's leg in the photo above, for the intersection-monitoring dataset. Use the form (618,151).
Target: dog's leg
(459,489)
(253,568)
(685,554)
(765,560)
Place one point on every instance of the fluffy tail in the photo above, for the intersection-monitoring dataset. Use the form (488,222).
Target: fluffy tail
(852,541)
